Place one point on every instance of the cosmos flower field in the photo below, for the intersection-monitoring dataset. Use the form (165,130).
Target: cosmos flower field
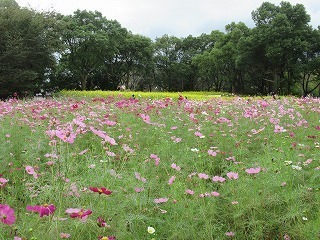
(117,167)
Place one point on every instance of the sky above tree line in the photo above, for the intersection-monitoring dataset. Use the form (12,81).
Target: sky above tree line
(180,18)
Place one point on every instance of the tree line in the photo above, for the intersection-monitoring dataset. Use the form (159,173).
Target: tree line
(48,51)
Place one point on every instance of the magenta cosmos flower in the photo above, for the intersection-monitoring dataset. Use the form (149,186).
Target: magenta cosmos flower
(7,215)
(102,190)
(43,210)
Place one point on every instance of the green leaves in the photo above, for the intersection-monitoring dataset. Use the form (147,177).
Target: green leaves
(26,49)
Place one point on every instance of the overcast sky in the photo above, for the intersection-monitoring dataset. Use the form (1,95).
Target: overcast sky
(180,18)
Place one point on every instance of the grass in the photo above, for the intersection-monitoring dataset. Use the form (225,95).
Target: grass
(152,149)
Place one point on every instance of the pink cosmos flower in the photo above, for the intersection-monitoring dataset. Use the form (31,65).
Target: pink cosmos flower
(279,129)
(78,213)
(137,190)
(232,175)
(189,191)
(203,175)
(7,215)
(212,153)
(175,166)
(161,200)
(110,140)
(43,210)
(74,190)
(145,118)
(110,154)
(79,123)
(263,103)
(253,170)
(230,234)
(110,123)
(65,235)
(218,179)
(83,152)
(99,133)
(199,134)
(30,170)
(51,155)
(177,140)
(206,194)
(215,194)
(127,148)
(3,182)
(137,175)
(233,158)
(156,158)
(66,135)
(171,180)
(104,136)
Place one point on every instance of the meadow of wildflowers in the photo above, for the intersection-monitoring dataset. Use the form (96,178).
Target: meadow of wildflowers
(170,168)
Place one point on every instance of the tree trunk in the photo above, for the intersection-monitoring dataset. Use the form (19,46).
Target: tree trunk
(275,82)
(84,82)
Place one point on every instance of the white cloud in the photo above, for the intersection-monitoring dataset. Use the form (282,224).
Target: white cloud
(174,17)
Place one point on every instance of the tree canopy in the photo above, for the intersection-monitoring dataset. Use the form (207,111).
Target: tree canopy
(50,51)
(27,44)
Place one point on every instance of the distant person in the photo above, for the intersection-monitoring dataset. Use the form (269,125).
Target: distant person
(121,87)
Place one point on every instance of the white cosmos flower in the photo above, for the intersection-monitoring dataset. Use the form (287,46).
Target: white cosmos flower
(151,230)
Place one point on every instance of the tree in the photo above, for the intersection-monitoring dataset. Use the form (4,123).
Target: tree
(225,56)
(208,72)
(166,59)
(309,65)
(90,40)
(27,44)
(137,55)
(281,33)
